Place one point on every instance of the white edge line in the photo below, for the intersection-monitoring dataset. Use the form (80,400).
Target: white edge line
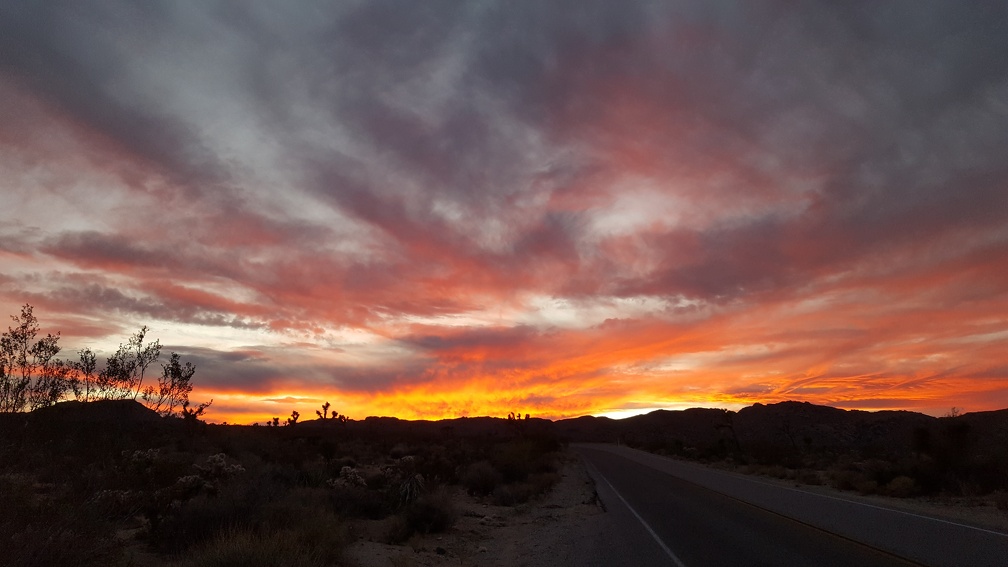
(647,527)
(740,476)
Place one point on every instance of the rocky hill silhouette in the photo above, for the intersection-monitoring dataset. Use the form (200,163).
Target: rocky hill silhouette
(798,426)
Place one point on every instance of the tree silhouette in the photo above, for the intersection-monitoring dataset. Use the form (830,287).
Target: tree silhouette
(325,410)
(84,376)
(124,371)
(173,387)
(31,377)
(30,374)
(333,416)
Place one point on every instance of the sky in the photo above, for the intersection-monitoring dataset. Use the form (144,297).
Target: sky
(447,208)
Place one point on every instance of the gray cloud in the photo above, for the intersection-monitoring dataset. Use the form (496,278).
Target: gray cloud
(362,164)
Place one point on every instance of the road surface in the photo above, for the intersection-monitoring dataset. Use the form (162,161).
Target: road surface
(666,512)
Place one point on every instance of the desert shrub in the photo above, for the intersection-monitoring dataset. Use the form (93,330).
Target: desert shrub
(411,488)
(312,474)
(397,530)
(288,508)
(377,480)
(432,512)
(481,478)
(243,546)
(185,524)
(41,530)
(544,482)
(435,464)
(337,464)
(360,502)
(776,471)
(866,486)
(518,459)
(1001,500)
(521,492)
(400,450)
(304,511)
(809,477)
(513,494)
(843,479)
(901,487)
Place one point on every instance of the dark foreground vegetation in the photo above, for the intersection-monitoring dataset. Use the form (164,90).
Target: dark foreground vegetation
(109,466)
(113,483)
(33,376)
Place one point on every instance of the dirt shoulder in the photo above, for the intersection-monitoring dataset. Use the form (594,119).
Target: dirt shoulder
(553,530)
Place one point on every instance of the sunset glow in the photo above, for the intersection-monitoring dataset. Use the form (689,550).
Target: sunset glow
(441,209)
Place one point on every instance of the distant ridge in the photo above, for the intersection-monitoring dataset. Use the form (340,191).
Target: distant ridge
(98,411)
(798,425)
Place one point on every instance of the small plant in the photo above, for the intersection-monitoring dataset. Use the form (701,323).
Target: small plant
(901,487)
(216,467)
(411,489)
(1001,500)
(481,478)
(348,477)
(243,546)
(431,513)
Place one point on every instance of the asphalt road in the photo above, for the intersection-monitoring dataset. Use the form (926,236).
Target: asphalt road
(658,518)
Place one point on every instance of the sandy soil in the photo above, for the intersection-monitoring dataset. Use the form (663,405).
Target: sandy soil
(545,532)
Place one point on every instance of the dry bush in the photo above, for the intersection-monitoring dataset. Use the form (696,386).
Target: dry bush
(901,487)
(513,494)
(433,512)
(42,530)
(521,492)
(843,479)
(397,530)
(243,546)
(810,477)
(481,479)
(1001,500)
(177,527)
(361,502)
(866,486)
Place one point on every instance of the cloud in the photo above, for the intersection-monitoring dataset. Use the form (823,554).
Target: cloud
(805,200)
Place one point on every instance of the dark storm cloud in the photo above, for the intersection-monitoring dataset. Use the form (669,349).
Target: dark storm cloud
(110,301)
(245,371)
(507,338)
(74,56)
(267,369)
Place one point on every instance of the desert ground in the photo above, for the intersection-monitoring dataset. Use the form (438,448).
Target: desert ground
(112,483)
